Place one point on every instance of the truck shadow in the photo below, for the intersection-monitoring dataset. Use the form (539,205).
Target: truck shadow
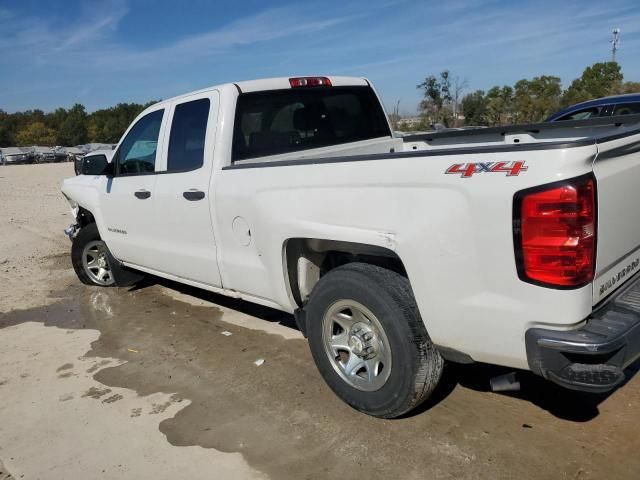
(242,306)
(560,402)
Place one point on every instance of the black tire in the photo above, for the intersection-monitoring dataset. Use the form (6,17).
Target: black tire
(416,364)
(88,233)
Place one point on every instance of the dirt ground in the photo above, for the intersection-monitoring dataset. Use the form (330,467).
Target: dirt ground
(142,383)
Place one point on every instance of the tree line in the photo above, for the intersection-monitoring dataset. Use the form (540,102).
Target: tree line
(67,127)
(528,100)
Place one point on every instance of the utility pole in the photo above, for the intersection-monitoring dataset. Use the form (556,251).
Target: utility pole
(615,43)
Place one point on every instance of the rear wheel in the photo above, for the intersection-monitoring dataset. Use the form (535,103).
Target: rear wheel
(369,342)
(90,258)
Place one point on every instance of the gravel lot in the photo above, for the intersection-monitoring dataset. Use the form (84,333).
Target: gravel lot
(142,383)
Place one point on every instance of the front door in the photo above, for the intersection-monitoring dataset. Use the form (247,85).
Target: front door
(128,198)
(183,201)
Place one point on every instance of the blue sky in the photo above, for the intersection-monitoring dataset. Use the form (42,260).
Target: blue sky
(99,53)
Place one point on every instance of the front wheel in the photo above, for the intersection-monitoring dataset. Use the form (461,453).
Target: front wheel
(369,342)
(90,258)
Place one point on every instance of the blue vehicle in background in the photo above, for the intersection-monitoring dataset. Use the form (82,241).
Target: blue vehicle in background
(601,107)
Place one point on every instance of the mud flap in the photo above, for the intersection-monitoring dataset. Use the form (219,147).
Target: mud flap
(123,276)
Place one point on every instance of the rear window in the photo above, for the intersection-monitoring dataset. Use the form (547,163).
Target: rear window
(283,121)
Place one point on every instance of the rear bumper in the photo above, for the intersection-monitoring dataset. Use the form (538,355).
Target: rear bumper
(593,357)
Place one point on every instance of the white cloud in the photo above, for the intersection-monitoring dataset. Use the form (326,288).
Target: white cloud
(92,39)
(92,29)
(261,27)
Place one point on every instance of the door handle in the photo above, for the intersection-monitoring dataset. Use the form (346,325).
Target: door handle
(193,195)
(142,194)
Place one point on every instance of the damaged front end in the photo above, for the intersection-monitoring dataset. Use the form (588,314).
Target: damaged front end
(71,230)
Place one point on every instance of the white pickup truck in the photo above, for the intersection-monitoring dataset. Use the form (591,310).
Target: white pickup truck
(517,246)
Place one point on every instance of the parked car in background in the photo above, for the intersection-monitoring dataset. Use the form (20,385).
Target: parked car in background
(43,154)
(600,107)
(60,154)
(74,153)
(17,155)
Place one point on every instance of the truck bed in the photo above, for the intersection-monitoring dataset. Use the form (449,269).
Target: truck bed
(533,136)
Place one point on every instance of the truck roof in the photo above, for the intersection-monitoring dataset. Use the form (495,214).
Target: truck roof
(276,83)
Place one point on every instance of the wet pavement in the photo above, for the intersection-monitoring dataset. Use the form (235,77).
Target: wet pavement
(287,424)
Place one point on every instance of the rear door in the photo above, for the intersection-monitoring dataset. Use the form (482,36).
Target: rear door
(183,202)
(617,171)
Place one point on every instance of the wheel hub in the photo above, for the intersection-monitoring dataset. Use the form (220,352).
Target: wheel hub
(356,345)
(363,341)
(96,263)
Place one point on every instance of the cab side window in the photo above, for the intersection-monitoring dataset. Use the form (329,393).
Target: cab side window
(188,131)
(137,152)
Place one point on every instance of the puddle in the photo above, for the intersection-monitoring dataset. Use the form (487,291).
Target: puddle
(58,427)
(284,420)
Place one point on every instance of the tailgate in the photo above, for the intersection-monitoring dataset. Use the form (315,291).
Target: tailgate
(617,171)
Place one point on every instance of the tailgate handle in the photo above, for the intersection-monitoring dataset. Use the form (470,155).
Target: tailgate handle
(142,194)
(193,195)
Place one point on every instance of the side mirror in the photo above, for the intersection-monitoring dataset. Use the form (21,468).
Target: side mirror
(96,165)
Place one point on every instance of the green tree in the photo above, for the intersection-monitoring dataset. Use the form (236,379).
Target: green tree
(73,129)
(55,119)
(474,108)
(36,133)
(499,105)
(107,125)
(598,80)
(6,133)
(536,99)
(436,96)
(629,87)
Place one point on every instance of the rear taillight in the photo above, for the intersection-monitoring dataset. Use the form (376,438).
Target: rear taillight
(309,82)
(555,233)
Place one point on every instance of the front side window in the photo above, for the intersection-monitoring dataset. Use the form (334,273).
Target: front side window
(137,152)
(188,131)
(283,121)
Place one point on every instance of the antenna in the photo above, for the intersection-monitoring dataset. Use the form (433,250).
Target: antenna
(615,43)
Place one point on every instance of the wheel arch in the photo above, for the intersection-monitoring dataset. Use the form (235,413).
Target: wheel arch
(84,217)
(306,260)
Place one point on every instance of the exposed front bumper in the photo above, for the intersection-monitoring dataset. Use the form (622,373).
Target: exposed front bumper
(591,358)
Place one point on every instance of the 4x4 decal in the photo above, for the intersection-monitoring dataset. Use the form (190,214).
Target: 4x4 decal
(466,170)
